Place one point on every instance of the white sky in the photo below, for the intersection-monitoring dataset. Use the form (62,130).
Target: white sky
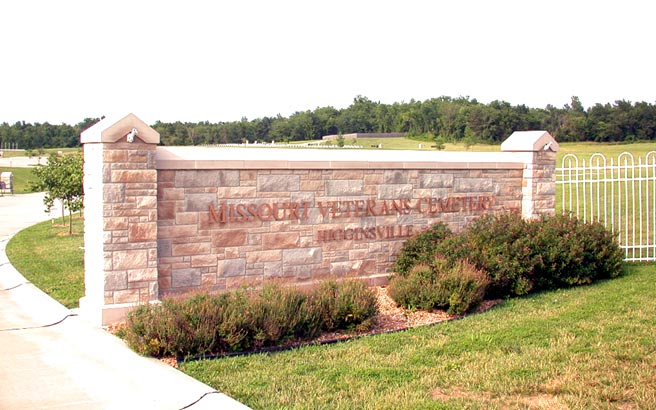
(193,60)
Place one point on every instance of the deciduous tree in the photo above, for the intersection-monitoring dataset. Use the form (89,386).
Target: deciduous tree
(61,179)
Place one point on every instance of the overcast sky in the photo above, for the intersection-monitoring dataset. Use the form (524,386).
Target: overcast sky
(215,61)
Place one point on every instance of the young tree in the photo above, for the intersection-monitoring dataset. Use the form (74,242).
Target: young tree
(469,139)
(61,179)
(340,140)
(439,142)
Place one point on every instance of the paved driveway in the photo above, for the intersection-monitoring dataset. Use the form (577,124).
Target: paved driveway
(20,211)
(52,359)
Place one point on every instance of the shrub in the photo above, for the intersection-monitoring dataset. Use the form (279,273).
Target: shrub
(175,327)
(572,252)
(200,314)
(519,256)
(421,248)
(499,245)
(603,251)
(417,289)
(140,334)
(238,321)
(465,285)
(456,288)
(235,321)
(283,313)
(323,302)
(354,304)
(348,304)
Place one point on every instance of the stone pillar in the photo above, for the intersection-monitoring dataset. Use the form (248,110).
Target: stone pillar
(539,186)
(120,223)
(539,177)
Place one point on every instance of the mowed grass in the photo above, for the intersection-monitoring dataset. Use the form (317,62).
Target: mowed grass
(22,179)
(587,347)
(51,259)
(580,149)
(412,144)
(586,149)
(35,152)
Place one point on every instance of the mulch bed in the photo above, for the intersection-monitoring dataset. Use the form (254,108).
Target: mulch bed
(392,318)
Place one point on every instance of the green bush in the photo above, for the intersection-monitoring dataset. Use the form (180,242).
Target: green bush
(456,288)
(519,256)
(421,248)
(235,321)
(355,303)
(176,327)
(465,285)
(252,321)
(416,289)
(500,245)
(201,312)
(241,320)
(572,252)
(345,305)
(283,313)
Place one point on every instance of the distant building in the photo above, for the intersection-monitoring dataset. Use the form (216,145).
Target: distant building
(357,135)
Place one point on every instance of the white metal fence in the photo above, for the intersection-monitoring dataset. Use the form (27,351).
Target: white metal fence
(620,193)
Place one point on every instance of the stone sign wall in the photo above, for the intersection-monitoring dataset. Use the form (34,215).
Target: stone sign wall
(223,229)
(164,221)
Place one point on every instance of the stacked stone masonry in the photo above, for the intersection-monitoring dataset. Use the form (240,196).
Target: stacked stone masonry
(130,223)
(310,242)
(543,179)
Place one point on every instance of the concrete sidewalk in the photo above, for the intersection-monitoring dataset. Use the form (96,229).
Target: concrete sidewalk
(52,359)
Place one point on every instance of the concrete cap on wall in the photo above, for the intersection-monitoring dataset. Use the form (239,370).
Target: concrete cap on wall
(530,141)
(113,129)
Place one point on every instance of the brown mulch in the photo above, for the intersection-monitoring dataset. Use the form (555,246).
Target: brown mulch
(390,318)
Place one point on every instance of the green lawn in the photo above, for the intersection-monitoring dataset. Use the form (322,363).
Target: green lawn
(35,152)
(587,347)
(51,260)
(586,149)
(412,144)
(22,178)
(581,149)
(11,154)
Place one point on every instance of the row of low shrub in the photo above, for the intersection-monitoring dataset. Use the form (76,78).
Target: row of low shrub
(511,257)
(246,320)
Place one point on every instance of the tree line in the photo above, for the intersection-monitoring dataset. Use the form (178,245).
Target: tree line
(24,135)
(446,119)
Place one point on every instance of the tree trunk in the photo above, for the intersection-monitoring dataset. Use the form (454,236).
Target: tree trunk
(70,221)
